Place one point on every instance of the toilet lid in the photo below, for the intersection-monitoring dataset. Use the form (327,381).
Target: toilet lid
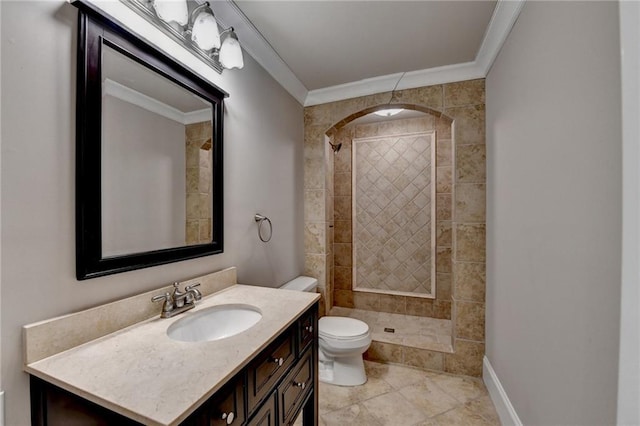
(342,327)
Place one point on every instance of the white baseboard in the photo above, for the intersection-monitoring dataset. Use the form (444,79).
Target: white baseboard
(508,415)
(1,408)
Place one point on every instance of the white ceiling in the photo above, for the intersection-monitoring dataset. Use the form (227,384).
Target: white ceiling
(324,51)
(327,43)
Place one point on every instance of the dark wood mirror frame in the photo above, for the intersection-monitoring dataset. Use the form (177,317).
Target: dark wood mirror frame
(94,30)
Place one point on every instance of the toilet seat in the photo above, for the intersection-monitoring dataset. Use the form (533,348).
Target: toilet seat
(342,328)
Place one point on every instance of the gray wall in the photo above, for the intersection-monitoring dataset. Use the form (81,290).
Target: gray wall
(554,213)
(263,172)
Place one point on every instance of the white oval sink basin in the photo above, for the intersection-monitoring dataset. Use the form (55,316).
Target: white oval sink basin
(215,323)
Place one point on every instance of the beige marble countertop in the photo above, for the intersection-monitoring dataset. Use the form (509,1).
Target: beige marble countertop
(143,374)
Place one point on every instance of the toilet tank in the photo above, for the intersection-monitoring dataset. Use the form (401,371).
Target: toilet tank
(301,283)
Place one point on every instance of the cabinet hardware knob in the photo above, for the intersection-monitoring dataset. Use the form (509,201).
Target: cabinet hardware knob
(229,417)
(309,328)
(300,384)
(278,361)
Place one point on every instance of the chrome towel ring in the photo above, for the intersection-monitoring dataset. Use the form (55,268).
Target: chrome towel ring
(261,219)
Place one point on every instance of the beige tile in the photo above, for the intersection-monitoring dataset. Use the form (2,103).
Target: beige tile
(443,287)
(392,303)
(444,181)
(429,398)
(419,306)
(314,173)
(204,230)
(384,352)
(443,259)
(444,154)
(444,128)
(342,277)
(193,206)
(462,388)
(204,181)
(422,358)
(396,375)
(193,231)
(343,298)
(342,184)
(443,233)
(393,409)
(342,159)
(205,205)
(470,320)
(355,415)
(342,254)
(314,238)
(469,123)
(429,96)
(193,177)
(462,416)
(470,164)
(443,207)
(314,142)
(470,242)
(484,407)
(192,155)
(470,204)
(466,360)
(342,231)
(470,281)
(318,115)
(342,208)
(315,266)
(367,301)
(314,206)
(442,309)
(469,92)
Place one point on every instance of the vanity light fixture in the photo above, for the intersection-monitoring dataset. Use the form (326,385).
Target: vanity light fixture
(192,23)
(388,112)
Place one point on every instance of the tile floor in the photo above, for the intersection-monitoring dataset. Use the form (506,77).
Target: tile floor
(404,396)
(411,331)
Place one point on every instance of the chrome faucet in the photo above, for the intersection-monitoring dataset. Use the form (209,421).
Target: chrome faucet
(178,301)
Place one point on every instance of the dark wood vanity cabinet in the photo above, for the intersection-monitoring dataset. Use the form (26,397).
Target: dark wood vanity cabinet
(273,389)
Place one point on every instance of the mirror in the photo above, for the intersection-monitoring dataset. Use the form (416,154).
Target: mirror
(149,154)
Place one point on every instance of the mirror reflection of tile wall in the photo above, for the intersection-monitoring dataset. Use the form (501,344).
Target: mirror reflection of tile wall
(199,178)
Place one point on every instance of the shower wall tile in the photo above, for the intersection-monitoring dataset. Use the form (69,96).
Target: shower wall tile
(471,164)
(319,115)
(429,96)
(342,254)
(315,237)
(441,309)
(470,92)
(443,128)
(366,301)
(342,208)
(342,184)
(315,265)
(470,203)
(419,306)
(423,358)
(314,206)
(443,259)
(469,124)
(444,286)
(342,278)
(470,320)
(443,206)
(443,151)
(470,242)
(314,141)
(466,359)
(392,303)
(342,231)
(470,281)
(443,234)
(314,173)
(343,298)
(444,182)
(385,352)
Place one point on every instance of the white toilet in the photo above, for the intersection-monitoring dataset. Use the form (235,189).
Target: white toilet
(342,341)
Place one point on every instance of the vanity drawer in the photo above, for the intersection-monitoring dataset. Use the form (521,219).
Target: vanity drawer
(226,407)
(295,386)
(265,371)
(306,329)
(266,415)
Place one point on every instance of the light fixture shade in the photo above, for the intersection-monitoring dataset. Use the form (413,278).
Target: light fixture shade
(231,52)
(205,31)
(172,11)
(388,112)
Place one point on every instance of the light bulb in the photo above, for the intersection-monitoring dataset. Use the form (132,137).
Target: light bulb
(388,112)
(231,52)
(205,31)
(172,11)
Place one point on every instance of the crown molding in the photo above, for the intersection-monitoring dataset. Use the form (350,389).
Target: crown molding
(504,17)
(138,99)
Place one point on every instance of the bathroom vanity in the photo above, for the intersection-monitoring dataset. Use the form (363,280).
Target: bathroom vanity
(266,375)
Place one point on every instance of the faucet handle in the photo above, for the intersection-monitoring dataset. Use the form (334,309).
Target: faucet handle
(192,286)
(168,301)
(195,292)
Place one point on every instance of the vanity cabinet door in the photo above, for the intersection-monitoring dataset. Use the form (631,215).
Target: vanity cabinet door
(266,415)
(226,407)
(295,387)
(268,367)
(306,329)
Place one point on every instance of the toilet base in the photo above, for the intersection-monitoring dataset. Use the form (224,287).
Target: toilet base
(342,371)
